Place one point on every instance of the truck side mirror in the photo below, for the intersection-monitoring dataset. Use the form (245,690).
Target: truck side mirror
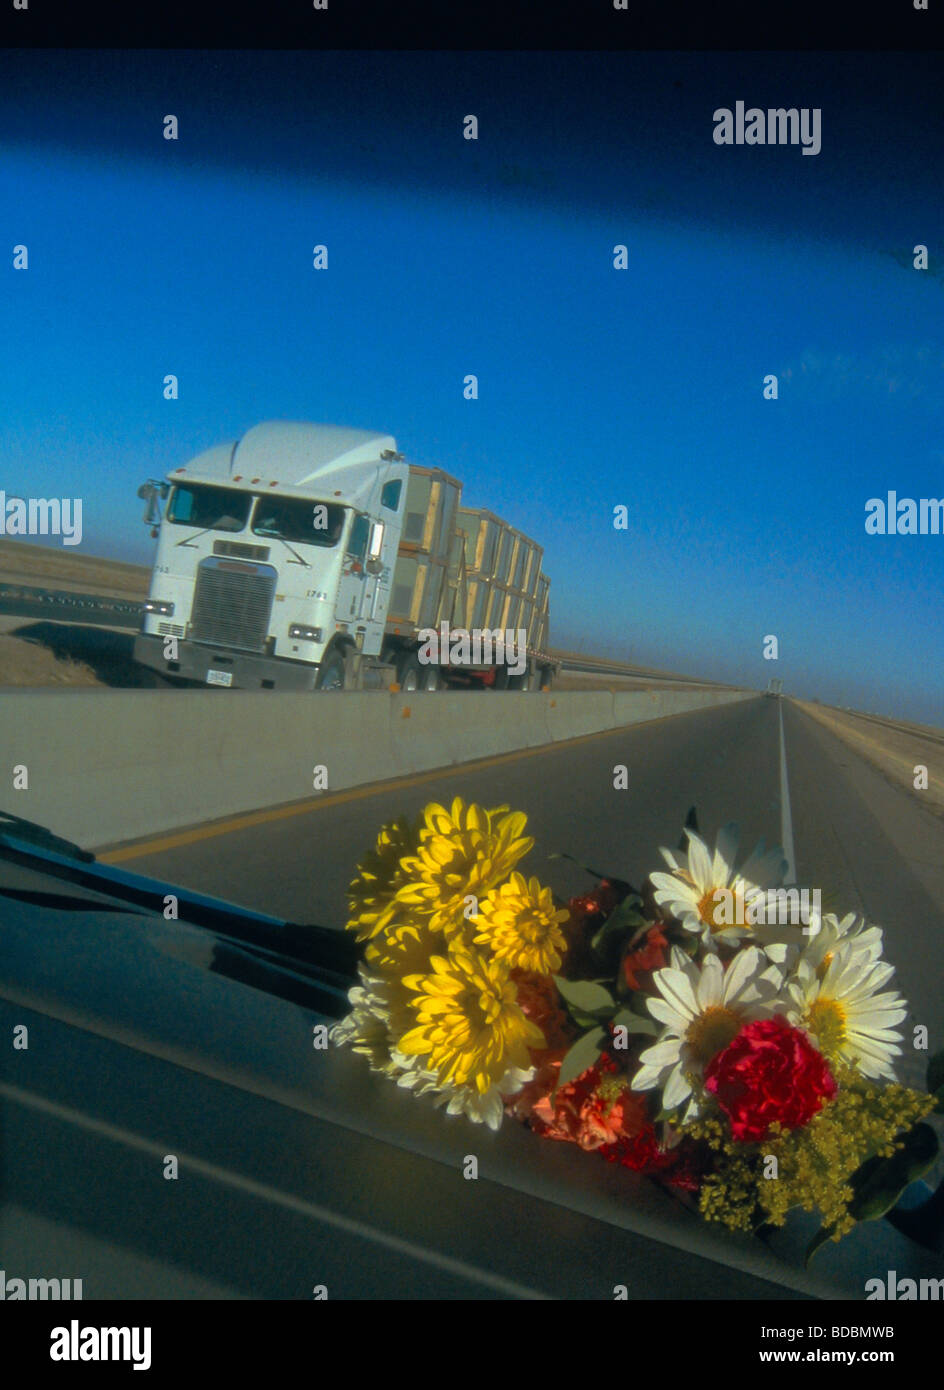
(376,542)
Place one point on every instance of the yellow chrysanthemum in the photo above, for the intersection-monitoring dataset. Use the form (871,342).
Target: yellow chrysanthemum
(521,926)
(463,852)
(469,1026)
(373,892)
(402,948)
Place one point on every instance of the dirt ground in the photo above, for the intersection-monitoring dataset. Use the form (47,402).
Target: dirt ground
(895,750)
(48,567)
(36,653)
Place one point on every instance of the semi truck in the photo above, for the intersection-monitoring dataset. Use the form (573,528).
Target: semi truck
(306,556)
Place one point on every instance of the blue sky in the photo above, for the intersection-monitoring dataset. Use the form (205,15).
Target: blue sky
(597,387)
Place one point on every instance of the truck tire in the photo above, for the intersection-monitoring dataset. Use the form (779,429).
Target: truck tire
(410,672)
(528,680)
(331,672)
(431,679)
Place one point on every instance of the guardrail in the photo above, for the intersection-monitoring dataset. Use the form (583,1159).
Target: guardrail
(111,765)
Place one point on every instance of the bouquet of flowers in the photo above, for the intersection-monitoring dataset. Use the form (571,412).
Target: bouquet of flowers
(693,1031)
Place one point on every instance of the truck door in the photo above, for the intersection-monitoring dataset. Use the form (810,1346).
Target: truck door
(364,590)
(352,594)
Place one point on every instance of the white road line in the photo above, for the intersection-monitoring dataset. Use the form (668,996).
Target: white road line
(264,1192)
(786,821)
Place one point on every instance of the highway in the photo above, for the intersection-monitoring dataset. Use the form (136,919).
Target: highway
(869,846)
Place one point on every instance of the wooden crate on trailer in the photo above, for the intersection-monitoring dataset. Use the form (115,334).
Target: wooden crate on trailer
(526,565)
(429,518)
(455,606)
(481,530)
(489,544)
(541,614)
(479,597)
(420,592)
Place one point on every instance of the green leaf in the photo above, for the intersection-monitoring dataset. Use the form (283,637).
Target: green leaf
(581,1055)
(594,873)
(821,1237)
(935,1081)
(586,996)
(607,940)
(879,1182)
(636,1023)
(691,823)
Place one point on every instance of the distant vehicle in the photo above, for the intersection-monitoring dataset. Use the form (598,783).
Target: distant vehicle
(774,686)
(313,556)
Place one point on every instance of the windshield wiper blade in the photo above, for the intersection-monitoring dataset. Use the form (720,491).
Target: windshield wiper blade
(34,834)
(64,902)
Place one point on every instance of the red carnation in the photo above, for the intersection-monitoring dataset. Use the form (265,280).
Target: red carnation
(769,1072)
(640,965)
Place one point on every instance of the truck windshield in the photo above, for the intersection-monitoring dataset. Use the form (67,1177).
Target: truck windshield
(209,508)
(299,521)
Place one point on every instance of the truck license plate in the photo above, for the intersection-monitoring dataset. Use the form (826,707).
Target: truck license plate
(219,677)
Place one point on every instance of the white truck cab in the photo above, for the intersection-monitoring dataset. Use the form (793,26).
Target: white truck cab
(275,558)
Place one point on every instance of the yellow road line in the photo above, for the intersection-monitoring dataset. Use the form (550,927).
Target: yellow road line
(302,808)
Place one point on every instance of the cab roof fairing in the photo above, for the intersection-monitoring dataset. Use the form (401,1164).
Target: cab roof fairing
(307,461)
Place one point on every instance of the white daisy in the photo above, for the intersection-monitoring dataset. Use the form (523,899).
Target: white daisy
(705,892)
(843,1012)
(835,931)
(703,1009)
(786,945)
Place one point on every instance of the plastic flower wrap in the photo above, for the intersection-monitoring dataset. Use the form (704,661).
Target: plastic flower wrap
(705,1031)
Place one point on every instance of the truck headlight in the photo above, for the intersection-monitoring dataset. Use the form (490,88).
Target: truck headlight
(299,632)
(153,605)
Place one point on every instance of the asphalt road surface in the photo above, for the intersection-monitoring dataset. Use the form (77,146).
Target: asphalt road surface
(867,845)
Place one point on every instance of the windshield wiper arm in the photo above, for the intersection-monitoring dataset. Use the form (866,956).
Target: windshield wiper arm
(34,834)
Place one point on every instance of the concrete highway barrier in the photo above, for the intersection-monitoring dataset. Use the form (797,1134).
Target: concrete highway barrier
(104,766)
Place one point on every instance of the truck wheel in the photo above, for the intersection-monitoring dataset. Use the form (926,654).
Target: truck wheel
(526,681)
(411,673)
(431,679)
(331,672)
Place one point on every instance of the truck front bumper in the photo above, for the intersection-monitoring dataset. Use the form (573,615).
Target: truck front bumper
(249,671)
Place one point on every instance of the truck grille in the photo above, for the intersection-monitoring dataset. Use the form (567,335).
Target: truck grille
(232,603)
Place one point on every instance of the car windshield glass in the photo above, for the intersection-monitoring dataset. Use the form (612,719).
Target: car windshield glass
(209,508)
(298,520)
